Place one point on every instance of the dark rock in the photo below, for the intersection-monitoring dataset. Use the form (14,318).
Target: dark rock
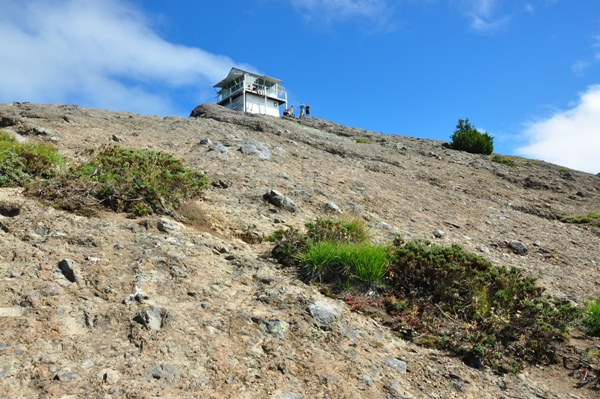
(168,226)
(41,131)
(439,233)
(154,318)
(517,247)
(68,268)
(9,209)
(221,184)
(456,226)
(278,199)
(323,314)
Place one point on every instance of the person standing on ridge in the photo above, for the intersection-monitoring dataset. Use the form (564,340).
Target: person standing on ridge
(307,109)
(301,110)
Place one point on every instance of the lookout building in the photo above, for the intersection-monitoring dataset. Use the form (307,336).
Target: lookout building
(248,92)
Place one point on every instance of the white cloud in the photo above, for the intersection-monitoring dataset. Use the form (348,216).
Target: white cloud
(569,138)
(376,12)
(579,67)
(483,14)
(96,53)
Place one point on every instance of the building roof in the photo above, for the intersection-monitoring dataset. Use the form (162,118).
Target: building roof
(236,72)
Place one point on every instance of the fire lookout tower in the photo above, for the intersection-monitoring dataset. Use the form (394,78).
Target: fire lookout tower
(248,92)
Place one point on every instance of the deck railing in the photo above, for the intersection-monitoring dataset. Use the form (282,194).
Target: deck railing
(275,90)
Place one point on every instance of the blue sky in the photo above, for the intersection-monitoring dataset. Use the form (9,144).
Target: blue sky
(527,72)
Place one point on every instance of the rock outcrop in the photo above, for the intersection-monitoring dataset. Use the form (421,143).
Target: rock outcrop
(108,306)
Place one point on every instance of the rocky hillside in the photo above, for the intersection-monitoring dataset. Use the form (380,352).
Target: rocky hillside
(113,307)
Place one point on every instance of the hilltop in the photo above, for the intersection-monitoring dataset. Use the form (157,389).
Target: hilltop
(109,306)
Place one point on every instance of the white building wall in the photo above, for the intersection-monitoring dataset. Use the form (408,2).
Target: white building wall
(258,105)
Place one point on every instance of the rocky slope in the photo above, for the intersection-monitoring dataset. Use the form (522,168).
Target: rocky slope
(107,306)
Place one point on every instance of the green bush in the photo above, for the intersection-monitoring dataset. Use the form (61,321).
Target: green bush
(138,182)
(22,163)
(591,317)
(467,138)
(479,311)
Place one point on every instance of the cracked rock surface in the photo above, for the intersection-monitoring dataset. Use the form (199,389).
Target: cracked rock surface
(108,306)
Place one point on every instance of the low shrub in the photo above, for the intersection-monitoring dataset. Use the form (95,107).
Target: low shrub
(22,163)
(362,141)
(591,218)
(489,315)
(138,182)
(467,138)
(344,230)
(505,160)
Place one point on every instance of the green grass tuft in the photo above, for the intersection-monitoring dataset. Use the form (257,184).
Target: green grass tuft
(334,261)
(591,317)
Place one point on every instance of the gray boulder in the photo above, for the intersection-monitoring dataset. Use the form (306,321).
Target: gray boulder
(154,318)
(168,226)
(278,199)
(163,373)
(518,247)
(219,148)
(68,272)
(323,314)
(332,207)
(396,364)
(253,147)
